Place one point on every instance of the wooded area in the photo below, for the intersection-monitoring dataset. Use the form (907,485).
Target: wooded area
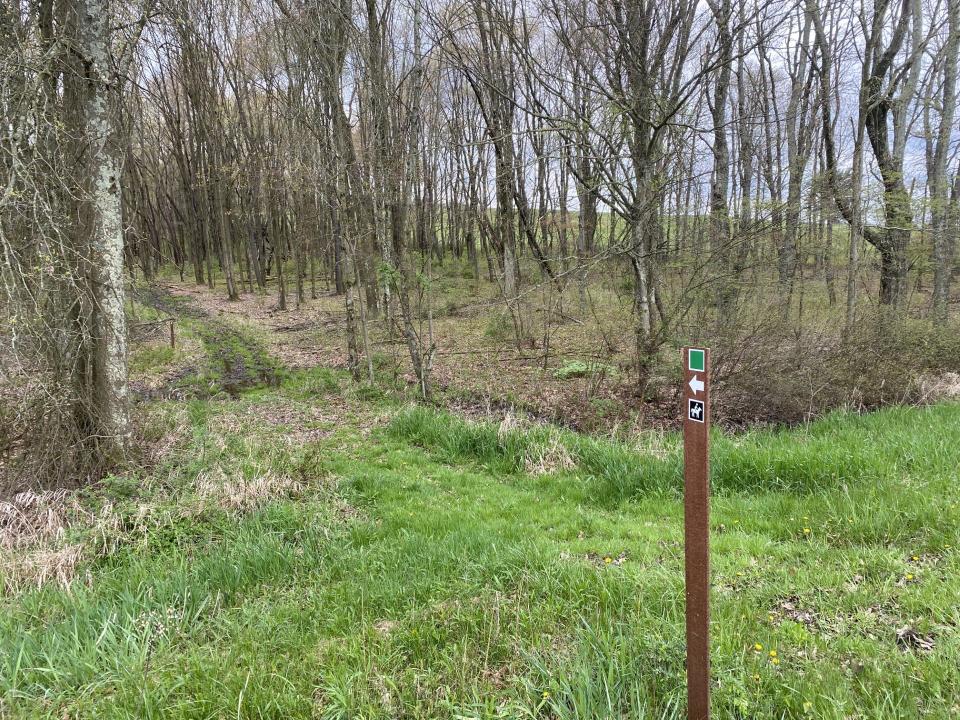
(340,359)
(710,162)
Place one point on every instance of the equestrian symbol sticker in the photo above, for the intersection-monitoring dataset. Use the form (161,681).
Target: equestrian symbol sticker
(696,410)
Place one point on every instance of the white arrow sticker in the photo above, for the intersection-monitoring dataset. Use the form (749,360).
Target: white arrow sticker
(696,385)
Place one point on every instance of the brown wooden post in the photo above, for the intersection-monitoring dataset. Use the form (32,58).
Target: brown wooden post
(173,339)
(696,526)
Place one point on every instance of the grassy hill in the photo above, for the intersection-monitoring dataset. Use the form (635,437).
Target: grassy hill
(317,549)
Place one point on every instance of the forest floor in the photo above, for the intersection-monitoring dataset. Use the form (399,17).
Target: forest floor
(295,545)
(569,371)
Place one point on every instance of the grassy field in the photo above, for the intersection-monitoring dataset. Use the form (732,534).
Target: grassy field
(319,549)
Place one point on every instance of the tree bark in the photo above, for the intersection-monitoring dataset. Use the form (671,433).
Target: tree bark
(107,394)
(943,238)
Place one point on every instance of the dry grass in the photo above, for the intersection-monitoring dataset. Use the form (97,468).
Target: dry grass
(38,567)
(550,457)
(940,387)
(246,495)
(510,423)
(33,518)
(295,424)
(32,526)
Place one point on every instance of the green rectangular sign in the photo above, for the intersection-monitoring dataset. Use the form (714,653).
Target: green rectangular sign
(696,360)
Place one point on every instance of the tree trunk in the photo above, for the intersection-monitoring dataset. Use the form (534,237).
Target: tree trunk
(720,241)
(943,238)
(107,398)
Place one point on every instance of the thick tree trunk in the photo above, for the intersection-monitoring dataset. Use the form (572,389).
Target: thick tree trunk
(107,400)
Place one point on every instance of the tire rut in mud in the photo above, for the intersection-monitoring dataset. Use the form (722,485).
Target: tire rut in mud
(235,359)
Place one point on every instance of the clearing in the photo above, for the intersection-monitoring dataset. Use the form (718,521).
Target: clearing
(294,545)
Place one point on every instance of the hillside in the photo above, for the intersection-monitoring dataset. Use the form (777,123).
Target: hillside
(295,545)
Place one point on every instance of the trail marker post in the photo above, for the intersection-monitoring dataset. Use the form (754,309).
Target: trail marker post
(696,526)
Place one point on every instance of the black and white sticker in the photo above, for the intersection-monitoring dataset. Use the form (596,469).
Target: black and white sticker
(696,411)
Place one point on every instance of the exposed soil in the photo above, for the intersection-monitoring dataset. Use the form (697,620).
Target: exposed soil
(235,359)
(310,335)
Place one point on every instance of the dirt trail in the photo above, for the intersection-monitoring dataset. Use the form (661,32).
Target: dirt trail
(235,360)
(312,335)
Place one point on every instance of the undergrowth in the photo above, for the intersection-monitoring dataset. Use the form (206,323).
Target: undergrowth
(310,548)
(840,449)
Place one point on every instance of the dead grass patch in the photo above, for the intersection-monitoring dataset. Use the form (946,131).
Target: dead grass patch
(385,627)
(550,457)
(246,495)
(31,518)
(33,526)
(34,568)
(792,609)
(160,433)
(509,424)
(908,638)
(297,424)
(499,676)
(939,387)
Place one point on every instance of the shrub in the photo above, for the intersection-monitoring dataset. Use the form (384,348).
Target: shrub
(579,369)
(499,327)
(772,373)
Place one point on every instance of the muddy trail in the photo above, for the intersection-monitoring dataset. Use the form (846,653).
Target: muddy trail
(234,359)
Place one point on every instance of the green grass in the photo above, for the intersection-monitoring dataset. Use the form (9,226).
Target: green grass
(152,358)
(408,564)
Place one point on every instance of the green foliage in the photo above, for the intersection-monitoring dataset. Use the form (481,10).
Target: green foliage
(150,358)
(387,275)
(579,369)
(369,392)
(837,450)
(280,562)
(605,407)
(499,327)
(383,361)
(310,382)
(236,361)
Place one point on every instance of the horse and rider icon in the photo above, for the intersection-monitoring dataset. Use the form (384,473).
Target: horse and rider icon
(696,411)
